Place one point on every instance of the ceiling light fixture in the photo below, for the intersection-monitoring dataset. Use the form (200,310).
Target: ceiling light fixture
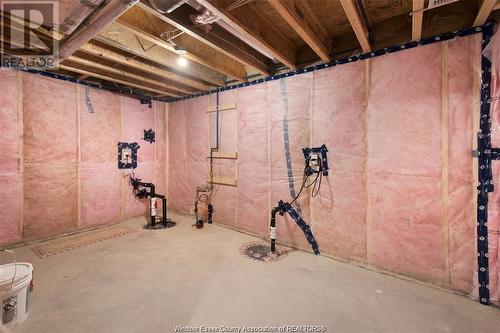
(181,61)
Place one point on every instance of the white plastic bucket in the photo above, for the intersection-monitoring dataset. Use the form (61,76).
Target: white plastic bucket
(15,279)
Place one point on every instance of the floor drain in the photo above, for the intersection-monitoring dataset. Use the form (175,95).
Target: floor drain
(261,251)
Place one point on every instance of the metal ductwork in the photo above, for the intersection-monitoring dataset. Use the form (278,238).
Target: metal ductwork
(166,6)
(79,13)
(205,18)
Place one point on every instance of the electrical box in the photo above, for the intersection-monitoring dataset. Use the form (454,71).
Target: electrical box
(316,160)
(149,135)
(127,155)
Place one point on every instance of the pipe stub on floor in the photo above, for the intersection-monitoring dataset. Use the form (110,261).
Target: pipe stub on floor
(158,225)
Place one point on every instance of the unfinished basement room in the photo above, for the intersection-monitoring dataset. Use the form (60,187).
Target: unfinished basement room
(249,166)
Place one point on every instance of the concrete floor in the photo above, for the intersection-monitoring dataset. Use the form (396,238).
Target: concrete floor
(150,281)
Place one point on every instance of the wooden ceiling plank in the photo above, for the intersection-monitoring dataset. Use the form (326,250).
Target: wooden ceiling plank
(228,45)
(259,33)
(484,11)
(128,42)
(417,18)
(356,23)
(302,19)
(112,79)
(173,89)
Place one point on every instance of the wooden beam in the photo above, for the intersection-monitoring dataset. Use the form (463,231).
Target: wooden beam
(258,32)
(417,18)
(484,11)
(106,69)
(149,27)
(302,19)
(217,38)
(222,108)
(88,72)
(97,50)
(128,42)
(82,35)
(356,23)
(230,155)
(238,72)
(219,180)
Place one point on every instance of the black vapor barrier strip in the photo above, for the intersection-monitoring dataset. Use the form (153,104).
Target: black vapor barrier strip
(145,99)
(377,53)
(485,181)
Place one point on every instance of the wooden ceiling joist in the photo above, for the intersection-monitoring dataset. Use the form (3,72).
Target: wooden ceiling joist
(417,18)
(112,10)
(97,50)
(220,63)
(150,28)
(92,73)
(94,49)
(128,42)
(122,73)
(258,32)
(484,11)
(217,38)
(302,19)
(356,23)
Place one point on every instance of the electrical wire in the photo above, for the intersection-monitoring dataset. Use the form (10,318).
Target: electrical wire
(316,183)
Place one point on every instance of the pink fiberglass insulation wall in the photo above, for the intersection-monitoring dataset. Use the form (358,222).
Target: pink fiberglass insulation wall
(60,163)
(399,130)
(10,187)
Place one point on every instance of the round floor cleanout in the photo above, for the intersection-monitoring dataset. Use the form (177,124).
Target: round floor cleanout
(261,251)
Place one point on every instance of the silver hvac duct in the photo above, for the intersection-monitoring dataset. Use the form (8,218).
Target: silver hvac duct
(166,6)
(79,14)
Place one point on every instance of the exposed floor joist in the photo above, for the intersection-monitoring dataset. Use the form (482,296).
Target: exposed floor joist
(417,18)
(121,73)
(356,23)
(217,38)
(261,33)
(128,42)
(80,70)
(302,19)
(98,50)
(149,27)
(112,10)
(484,11)
(92,48)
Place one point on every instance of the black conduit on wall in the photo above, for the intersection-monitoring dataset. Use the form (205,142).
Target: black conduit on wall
(485,181)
